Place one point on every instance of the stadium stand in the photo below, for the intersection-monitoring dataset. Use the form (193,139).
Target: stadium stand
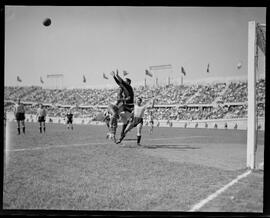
(218,100)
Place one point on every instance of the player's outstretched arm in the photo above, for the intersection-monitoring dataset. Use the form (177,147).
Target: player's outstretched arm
(115,78)
(150,103)
(121,81)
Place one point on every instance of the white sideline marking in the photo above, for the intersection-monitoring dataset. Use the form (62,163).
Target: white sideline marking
(89,143)
(57,146)
(218,192)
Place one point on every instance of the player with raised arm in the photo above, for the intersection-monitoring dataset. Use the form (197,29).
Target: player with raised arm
(125,101)
(19,113)
(137,120)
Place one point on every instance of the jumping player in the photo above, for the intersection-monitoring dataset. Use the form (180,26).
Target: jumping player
(41,117)
(69,116)
(19,113)
(125,101)
(137,120)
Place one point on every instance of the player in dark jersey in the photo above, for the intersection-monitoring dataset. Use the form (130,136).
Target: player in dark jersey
(126,99)
(127,94)
(69,116)
(19,113)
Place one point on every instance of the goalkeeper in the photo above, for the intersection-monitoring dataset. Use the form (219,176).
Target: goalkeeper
(125,99)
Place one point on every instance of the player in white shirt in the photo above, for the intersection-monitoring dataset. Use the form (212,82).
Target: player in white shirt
(41,117)
(19,113)
(137,120)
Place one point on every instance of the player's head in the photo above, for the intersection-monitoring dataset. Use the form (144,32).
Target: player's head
(128,81)
(41,105)
(18,100)
(139,101)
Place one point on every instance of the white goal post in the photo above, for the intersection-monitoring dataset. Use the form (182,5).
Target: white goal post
(255,40)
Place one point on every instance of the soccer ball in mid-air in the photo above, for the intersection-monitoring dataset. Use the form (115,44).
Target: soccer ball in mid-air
(47,22)
(239,65)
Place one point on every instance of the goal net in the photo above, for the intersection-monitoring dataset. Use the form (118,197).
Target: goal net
(256,90)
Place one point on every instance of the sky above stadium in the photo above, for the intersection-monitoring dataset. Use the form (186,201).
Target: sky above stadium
(91,41)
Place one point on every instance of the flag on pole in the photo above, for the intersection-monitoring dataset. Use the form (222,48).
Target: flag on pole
(125,73)
(147,72)
(208,70)
(41,80)
(19,79)
(84,79)
(183,71)
(104,76)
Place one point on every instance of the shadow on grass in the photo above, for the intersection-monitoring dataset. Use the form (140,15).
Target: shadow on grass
(184,147)
(160,146)
(130,139)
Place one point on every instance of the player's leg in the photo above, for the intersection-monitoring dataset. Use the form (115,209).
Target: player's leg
(139,133)
(23,126)
(130,126)
(126,115)
(44,125)
(40,124)
(18,126)
(112,128)
(124,118)
(113,123)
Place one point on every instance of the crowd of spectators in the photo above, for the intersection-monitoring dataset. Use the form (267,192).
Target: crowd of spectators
(236,92)
(181,102)
(207,94)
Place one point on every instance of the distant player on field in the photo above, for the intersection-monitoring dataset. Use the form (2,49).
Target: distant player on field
(137,120)
(41,117)
(19,113)
(69,116)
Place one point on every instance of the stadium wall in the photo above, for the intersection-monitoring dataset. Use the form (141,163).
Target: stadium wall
(239,123)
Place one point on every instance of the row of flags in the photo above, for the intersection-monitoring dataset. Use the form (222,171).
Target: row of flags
(147,73)
(105,76)
(20,80)
(183,71)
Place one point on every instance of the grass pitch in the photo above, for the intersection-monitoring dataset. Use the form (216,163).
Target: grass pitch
(174,169)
